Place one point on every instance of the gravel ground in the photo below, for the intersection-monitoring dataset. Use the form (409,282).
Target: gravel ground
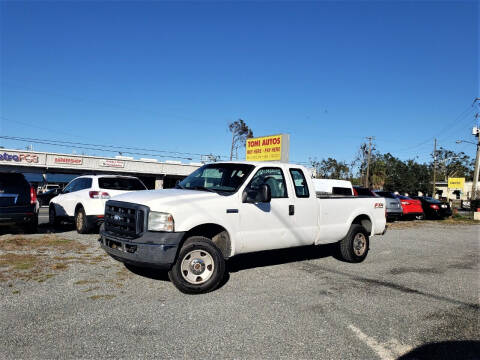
(415,296)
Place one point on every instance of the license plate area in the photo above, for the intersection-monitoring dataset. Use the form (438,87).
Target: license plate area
(117,245)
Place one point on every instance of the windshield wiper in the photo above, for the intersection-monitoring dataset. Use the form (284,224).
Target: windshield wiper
(178,186)
(202,188)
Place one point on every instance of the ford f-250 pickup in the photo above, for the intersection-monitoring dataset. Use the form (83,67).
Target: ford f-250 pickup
(225,209)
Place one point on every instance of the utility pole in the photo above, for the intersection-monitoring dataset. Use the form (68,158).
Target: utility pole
(367,182)
(434,166)
(476,132)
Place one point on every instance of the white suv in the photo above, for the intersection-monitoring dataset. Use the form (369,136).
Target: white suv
(83,199)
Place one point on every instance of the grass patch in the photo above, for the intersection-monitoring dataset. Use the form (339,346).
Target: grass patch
(91,289)
(18,261)
(43,243)
(85,282)
(454,220)
(35,258)
(100,297)
(59,266)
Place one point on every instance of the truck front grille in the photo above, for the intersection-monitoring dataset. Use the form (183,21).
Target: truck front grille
(124,219)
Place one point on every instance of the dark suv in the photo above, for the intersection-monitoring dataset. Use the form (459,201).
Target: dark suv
(18,202)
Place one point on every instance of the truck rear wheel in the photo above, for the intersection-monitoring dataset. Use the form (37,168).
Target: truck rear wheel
(354,247)
(200,266)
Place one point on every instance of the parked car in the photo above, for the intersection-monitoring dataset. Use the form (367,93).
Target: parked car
(47,187)
(18,202)
(44,198)
(412,208)
(362,191)
(394,207)
(433,208)
(83,199)
(225,209)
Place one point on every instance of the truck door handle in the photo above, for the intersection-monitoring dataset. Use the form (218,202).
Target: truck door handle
(291,210)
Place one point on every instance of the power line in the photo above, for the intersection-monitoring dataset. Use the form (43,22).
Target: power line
(99,147)
(454,124)
(86,147)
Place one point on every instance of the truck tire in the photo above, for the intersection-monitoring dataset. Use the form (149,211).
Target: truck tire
(354,247)
(199,268)
(81,222)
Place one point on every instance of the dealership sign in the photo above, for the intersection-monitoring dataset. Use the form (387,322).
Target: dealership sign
(19,157)
(268,148)
(66,160)
(112,163)
(456,183)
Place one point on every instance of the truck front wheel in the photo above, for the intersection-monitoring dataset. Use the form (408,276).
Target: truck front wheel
(354,246)
(200,266)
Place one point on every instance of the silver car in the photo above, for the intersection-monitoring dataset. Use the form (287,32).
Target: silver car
(394,207)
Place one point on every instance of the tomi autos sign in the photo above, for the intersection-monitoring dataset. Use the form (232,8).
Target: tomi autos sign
(268,148)
(456,183)
(18,157)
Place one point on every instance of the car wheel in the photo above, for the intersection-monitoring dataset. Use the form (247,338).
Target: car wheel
(81,223)
(52,217)
(354,247)
(200,266)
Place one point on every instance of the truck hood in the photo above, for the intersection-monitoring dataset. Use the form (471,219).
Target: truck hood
(166,199)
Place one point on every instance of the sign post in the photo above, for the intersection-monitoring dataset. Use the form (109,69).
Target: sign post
(268,148)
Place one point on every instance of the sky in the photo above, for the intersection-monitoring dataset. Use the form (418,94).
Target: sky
(170,76)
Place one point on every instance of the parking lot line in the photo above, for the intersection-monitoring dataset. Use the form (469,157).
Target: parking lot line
(385,351)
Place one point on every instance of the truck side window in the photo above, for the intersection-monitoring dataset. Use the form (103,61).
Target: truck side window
(274,178)
(300,184)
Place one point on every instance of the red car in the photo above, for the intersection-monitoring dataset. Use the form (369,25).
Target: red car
(411,208)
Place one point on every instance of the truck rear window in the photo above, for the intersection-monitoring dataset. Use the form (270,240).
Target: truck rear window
(341,191)
(113,183)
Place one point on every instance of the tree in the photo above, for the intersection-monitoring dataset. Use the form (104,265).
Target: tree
(330,169)
(452,164)
(377,166)
(240,133)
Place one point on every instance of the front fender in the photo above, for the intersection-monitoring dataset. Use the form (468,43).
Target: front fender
(191,223)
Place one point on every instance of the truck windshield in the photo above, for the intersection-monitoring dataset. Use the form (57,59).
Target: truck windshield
(218,177)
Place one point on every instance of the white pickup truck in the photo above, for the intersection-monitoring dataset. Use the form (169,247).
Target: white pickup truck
(225,209)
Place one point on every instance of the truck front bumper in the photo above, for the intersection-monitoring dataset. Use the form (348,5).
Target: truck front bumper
(151,250)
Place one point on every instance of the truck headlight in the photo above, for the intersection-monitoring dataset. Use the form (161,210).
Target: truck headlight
(158,221)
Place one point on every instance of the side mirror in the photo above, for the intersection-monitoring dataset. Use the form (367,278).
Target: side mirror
(261,195)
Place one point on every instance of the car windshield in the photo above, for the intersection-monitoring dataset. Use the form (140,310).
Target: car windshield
(432,200)
(222,178)
(118,183)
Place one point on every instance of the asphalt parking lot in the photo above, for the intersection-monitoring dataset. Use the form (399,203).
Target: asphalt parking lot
(415,297)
